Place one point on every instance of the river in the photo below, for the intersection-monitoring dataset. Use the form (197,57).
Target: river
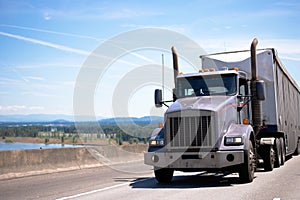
(21,146)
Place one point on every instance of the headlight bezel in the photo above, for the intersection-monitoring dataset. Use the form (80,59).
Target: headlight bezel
(157,142)
(233,141)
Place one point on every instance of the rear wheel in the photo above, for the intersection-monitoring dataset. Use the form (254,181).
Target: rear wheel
(246,173)
(268,157)
(163,175)
(282,151)
(297,151)
(278,152)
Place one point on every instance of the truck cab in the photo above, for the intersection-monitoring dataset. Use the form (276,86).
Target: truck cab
(207,127)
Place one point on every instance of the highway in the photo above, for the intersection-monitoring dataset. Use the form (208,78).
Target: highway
(135,180)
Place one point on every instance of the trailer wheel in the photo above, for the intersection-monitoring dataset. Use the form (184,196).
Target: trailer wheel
(297,151)
(268,157)
(278,153)
(282,151)
(246,173)
(163,175)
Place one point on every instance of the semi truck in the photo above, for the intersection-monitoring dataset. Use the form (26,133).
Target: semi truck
(227,117)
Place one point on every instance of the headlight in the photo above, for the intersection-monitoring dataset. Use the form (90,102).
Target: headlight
(160,142)
(233,140)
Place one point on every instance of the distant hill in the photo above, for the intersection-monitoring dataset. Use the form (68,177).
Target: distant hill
(67,119)
(42,118)
(34,118)
(129,120)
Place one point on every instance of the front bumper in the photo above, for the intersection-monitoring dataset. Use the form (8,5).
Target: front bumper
(203,160)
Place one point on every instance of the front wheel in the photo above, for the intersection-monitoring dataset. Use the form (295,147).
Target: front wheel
(163,175)
(246,173)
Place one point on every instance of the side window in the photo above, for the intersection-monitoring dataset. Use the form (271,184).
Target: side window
(189,92)
(242,90)
(243,87)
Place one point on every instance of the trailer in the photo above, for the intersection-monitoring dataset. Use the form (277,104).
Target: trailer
(228,116)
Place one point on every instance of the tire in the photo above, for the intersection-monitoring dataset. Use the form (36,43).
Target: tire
(246,172)
(282,151)
(268,157)
(278,155)
(163,175)
(297,151)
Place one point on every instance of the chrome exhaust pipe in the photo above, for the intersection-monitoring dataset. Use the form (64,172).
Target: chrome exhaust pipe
(253,60)
(255,103)
(175,64)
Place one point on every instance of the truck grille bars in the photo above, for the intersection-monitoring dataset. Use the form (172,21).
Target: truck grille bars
(187,132)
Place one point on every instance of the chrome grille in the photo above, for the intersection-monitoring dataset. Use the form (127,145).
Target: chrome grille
(189,131)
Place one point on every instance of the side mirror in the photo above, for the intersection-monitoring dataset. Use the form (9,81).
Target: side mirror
(260,90)
(174,94)
(158,98)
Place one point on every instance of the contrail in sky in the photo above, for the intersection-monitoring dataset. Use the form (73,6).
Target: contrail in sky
(52,32)
(65,48)
(61,47)
(55,46)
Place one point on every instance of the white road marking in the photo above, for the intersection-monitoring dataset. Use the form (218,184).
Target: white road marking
(177,173)
(100,190)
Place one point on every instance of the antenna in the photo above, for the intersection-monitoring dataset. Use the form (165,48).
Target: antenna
(163,75)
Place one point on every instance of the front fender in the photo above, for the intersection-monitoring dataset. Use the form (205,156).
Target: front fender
(241,130)
(155,133)
(158,133)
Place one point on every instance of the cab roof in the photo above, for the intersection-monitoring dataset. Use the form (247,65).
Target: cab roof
(207,73)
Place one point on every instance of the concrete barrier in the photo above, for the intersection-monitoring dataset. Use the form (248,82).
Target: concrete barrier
(19,163)
(40,159)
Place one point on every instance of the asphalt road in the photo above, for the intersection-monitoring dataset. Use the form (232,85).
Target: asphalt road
(135,181)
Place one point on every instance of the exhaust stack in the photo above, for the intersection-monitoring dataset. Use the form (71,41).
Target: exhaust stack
(175,63)
(256,104)
(175,71)
(253,60)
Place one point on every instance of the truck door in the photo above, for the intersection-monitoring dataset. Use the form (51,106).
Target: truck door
(243,100)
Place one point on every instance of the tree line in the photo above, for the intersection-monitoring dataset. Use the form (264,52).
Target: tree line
(123,132)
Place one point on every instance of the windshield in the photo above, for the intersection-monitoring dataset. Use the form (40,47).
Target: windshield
(207,85)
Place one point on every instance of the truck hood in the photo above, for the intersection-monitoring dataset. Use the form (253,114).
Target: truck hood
(209,103)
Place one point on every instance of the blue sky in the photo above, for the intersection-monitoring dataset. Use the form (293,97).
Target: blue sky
(45,43)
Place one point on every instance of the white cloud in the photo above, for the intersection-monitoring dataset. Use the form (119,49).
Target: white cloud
(34,78)
(47,16)
(10,82)
(287,4)
(181,28)
(290,58)
(22,108)
(69,83)
(40,94)
(51,65)
(283,46)
(286,46)
(126,13)
(101,12)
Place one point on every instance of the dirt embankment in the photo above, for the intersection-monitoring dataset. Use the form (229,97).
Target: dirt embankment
(19,163)
(135,148)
